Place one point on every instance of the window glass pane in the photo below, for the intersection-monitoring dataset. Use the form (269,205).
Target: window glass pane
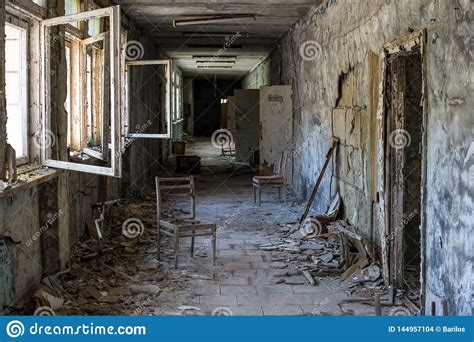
(39,2)
(94,27)
(15,88)
(72,7)
(68,93)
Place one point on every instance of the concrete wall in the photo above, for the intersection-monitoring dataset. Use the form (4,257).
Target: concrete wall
(339,37)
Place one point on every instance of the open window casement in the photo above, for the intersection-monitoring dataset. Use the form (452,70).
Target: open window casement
(143,119)
(94,84)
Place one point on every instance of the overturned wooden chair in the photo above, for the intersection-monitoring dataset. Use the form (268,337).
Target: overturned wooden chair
(181,227)
(277,180)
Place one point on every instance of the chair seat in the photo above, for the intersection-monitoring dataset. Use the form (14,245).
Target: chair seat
(275,179)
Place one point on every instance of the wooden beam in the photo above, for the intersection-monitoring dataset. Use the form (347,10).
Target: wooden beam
(318,182)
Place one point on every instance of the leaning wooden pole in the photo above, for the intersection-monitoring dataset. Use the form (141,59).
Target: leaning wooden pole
(318,182)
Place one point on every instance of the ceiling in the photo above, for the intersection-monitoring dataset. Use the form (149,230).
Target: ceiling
(201,48)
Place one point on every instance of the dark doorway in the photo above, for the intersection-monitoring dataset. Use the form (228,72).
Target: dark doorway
(404,105)
(207,103)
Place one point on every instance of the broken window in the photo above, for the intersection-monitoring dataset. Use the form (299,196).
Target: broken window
(16,70)
(92,100)
(148,103)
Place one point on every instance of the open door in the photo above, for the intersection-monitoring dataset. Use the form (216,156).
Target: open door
(405,162)
(276,124)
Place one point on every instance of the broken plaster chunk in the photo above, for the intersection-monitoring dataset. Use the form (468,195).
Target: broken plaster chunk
(278,264)
(312,246)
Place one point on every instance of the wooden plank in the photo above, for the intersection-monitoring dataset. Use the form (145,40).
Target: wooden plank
(318,182)
(309,277)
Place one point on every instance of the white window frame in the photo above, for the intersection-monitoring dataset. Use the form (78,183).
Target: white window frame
(22,26)
(168,97)
(116,61)
(103,154)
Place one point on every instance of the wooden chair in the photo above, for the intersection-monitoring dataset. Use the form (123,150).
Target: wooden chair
(275,181)
(181,227)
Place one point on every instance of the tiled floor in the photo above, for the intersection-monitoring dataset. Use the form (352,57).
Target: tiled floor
(243,282)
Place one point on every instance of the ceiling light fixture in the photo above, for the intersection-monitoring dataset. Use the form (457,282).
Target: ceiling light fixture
(215,34)
(214,61)
(214,46)
(212,19)
(214,57)
(214,67)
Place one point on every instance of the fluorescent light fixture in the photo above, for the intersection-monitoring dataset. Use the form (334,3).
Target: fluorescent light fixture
(216,34)
(214,67)
(215,61)
(214,46)
(214,57)
(211,19)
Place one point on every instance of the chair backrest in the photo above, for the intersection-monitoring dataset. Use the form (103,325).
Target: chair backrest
(280,167)
(178,187)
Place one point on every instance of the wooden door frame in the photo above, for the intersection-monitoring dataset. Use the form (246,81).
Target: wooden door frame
(400,46)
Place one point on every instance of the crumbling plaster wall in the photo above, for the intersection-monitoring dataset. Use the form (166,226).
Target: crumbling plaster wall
(342,34)
(69,194)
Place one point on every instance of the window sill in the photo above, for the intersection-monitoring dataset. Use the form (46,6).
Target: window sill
(29,176)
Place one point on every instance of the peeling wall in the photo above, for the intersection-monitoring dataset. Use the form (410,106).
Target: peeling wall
(339,36)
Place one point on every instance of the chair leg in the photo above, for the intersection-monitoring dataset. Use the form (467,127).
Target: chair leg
(284,193)
(192,245)
(158,241)
(254,194)
(259,192)
(279,194)
(176,248)
(214,246)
